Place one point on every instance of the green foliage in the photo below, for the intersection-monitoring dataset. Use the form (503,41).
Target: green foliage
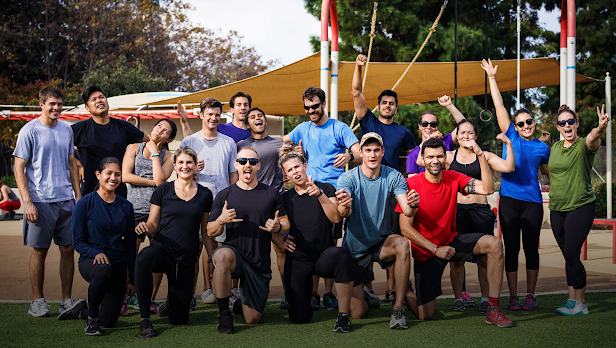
(601,208)
(9,180)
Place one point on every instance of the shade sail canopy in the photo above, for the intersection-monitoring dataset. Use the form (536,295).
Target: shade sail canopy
(279,92)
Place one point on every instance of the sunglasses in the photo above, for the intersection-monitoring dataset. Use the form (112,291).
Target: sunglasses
(528,121)
(313,106)
(252,161)
(562,123)
(432,124)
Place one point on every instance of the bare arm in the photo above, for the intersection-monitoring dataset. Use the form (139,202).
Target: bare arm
(128,165)
(593,140)
(344,203)
(544,170)
(186,131)
(161,172)
(341,160)
(150,226)
(227,216)
(204,236)
(30,212)
(5,193)
(501,112)
(499,164)
(329,204)
(485,186)
(73,170)
(457,115)
(359,101)
(407,229)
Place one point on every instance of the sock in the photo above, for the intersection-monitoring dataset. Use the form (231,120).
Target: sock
(223,303)
(484,299)
(494,301)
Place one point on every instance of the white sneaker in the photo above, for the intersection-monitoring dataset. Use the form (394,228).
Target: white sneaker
(567,307)
(398,320)
(39,308)
(235,295)
(579,308)
(208,297)
(66,304)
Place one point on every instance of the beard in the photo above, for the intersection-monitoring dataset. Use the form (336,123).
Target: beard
(434,172)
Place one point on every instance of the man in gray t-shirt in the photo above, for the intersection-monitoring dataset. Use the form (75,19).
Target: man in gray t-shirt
(48,181)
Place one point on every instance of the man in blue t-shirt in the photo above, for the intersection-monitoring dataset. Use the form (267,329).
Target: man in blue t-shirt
(394,135)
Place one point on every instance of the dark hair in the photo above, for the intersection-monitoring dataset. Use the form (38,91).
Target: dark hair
(240,95)
(428,113)
(286,153)
(49,92)
(210,103)
(88,92)
(251,110)
(433,143)
(187,150)
(103,164)
(312,92)
(388,93)
(174,130)
(565,108)
(466,120)
(522,111)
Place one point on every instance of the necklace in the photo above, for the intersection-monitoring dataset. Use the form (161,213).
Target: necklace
(185,193)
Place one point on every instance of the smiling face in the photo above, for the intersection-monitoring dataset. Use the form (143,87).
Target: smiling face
(185,166)
(295,170)
(97,104)
(434,159)
(161,133)
(240,107)
(52,108)
(433,125)
(387,107)
(568,131)
(527,130)
(210,118)
(372,154)
(317,110)
(247,172)
(256,122)
(110,177)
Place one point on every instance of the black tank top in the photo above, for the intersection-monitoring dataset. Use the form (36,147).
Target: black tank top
(472,169)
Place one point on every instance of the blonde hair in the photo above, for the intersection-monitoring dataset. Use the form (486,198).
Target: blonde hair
(187,150)
(286,153)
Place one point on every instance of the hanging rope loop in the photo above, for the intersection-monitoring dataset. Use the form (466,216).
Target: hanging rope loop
(483,118)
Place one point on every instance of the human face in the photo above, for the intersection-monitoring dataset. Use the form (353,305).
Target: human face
(257,122)
(161,132)
(185,166)
(568,131)
(527,130)
(110,177)
(52,108)
(317,114)
(247,172)
(210,118)
(387,107)
(97,104)
(429,129)
(240,107)
(371,155)
(466,132)
(434,159)
(295,170)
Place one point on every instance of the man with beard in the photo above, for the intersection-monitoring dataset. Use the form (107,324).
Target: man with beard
(432,231)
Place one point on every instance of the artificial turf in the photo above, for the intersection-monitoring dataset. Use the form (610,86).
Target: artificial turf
(542,327)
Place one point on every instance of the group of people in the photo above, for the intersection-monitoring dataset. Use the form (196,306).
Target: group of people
(229,197)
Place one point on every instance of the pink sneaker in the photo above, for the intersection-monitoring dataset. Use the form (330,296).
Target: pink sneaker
(124,309)
(153,307)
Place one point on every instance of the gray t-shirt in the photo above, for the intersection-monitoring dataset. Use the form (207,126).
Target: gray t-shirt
(218,154)
(46,150)
(269,173)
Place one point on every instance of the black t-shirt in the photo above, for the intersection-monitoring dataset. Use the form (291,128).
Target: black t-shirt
(255,207)
(310,227)
(95,142)
(180,220)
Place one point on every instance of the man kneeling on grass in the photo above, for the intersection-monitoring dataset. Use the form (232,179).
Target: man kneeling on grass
(432,231)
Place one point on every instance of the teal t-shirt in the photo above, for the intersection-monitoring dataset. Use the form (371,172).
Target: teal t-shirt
(372,208)
(570,186)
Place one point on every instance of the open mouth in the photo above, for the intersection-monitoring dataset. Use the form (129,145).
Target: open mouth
(568,131)
(247,174)
(100,106)
(297,177)
(258,123)
(112,183)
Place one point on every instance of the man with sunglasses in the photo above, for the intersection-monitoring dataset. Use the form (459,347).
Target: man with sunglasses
(252,212)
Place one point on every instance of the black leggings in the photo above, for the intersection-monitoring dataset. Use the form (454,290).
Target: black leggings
(334,262)
(514,215)
(570,230)
(155,258)
(106,291)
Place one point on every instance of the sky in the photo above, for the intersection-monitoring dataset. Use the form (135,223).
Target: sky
(280,29)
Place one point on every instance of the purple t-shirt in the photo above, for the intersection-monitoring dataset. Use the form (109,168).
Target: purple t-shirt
(411,159)
(230,130)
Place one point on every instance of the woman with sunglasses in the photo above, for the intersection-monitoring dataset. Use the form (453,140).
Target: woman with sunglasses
(521,203)
(572,199)
(178,208)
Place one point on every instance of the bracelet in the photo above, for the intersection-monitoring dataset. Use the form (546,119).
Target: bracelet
(279,229)
(209,260)
(155,154)
(435,250)
(414,206)
(352,157)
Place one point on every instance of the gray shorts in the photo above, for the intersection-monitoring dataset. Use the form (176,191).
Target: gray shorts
(362,266)
(54,222)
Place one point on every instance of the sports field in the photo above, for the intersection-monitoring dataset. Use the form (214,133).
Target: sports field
(542,327)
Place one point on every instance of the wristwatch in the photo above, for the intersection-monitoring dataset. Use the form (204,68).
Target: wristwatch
(352,157)
(320,192)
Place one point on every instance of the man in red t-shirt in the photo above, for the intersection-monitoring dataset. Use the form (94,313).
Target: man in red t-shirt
(432,231)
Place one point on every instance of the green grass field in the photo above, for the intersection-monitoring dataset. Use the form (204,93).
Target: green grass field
(542,327)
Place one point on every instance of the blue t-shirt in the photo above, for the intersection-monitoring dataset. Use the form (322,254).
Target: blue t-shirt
(523,183)
(394,137)
(230,130)
(411,159)
(321,144)
(372,208)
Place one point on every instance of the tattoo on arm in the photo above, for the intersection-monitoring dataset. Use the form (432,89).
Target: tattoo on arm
(470,187)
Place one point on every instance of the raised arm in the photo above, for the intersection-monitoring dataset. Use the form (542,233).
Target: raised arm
(358,98)
(186,131)
(160,172)
(593,140)
(499,164)
(485,186)
(445,101)
(501,112)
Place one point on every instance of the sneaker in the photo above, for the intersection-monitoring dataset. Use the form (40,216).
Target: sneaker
(398,320)
(124,309)
(235,295)
(467,299)
(371,299)
(237,306)
(146,330)
(193,303)
(390,296)
(132,302)
(68,303)
(483,307)
(330,301)
(163,309)
(7,216)
(579,309)
(153,307)
(458,306)
(283,302)
(39,308)
(73,311)
(530,302)
(572,307)
(497,317)
(514,303)
(12,215)
(315,301)
(225,323)
(343,323)
(93,327)
(208,296)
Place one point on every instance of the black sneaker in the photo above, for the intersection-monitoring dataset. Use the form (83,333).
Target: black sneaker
(146,329)
(163,309)
(343,323)
(73,311)
(237,306)
(93,327)
(225,323)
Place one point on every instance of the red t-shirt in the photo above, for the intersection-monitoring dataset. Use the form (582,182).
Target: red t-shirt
(436,215)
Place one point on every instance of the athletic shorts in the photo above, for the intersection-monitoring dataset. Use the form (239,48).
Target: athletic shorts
(254,286)
(219,239)
(475,218)
(337,230)
(54,222)
(362,266)
(428,273)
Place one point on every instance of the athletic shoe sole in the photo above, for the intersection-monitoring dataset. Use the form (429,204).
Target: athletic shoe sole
(340,330)
(503,325)
(97,333)
(149,335)
(77,306)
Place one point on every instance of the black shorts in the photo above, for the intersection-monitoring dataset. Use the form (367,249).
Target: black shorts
(475,218)
(362,266)
(337,230)
(395,225)
(428,273)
